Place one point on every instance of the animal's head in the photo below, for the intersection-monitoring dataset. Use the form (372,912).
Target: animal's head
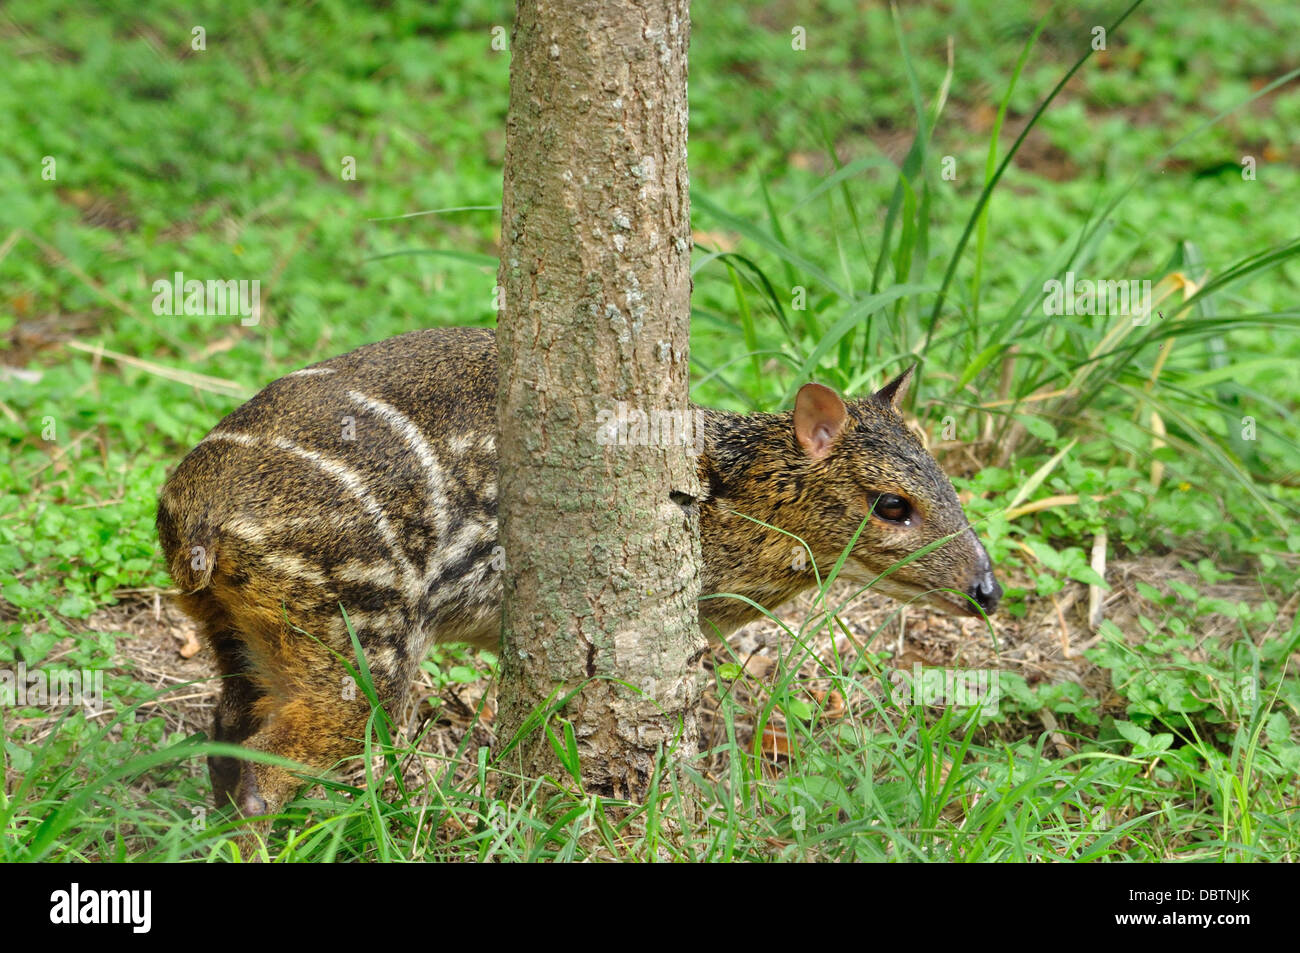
(867,465)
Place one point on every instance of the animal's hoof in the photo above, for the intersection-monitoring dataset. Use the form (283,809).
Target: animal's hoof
(252,804)
(250,800)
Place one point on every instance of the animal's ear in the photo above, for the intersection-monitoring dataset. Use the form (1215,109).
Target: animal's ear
(892,394)
(819,418)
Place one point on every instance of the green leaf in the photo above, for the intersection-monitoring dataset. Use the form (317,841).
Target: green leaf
(728,671)
(798,708)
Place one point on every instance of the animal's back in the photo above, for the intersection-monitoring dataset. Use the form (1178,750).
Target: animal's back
(367,480)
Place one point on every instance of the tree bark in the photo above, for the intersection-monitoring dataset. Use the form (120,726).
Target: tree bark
(601,539)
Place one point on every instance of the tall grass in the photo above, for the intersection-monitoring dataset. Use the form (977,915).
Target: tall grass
(993,362)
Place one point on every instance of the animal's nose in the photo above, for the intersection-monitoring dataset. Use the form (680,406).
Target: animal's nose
(986,591)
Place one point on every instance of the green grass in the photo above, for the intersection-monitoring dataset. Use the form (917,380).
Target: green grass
(856,209)
(886,778)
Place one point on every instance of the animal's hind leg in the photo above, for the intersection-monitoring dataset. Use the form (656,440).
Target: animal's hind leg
(311,713)
(236,718)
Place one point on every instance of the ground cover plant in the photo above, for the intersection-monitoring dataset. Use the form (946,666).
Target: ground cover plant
(870,188)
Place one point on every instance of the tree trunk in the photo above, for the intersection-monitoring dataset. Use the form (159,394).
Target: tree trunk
(598,523)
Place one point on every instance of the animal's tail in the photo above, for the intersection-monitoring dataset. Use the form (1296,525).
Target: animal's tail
(188,542)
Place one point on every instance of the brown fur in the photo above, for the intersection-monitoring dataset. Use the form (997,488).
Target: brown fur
(369,481)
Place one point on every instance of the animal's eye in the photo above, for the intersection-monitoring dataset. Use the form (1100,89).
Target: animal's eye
(893,509)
